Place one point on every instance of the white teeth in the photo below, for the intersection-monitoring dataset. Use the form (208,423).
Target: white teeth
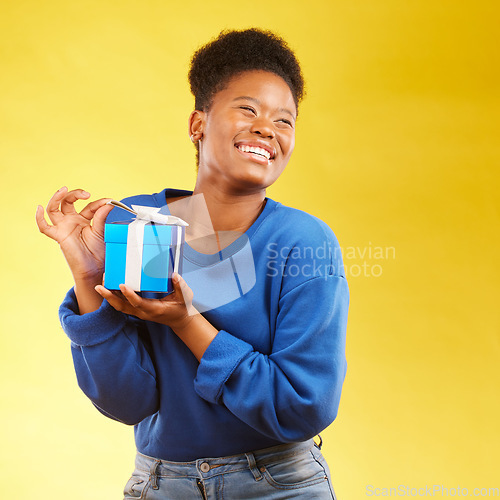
(256,150)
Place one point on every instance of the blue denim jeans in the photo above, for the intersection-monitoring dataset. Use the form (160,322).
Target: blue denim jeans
(285,471)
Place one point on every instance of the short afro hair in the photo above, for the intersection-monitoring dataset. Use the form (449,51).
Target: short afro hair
(234,52)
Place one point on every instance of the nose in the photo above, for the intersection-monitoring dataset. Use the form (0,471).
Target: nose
(263,128)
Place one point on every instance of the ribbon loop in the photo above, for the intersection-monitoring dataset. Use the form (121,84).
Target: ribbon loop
(150,214)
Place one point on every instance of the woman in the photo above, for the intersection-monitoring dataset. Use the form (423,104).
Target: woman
(248,383)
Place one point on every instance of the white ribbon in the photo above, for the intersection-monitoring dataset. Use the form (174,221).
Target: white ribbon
(178,249)
(133,262)
(135,239)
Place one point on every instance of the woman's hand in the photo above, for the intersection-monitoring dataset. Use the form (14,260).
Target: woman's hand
(81,243)
(175,310)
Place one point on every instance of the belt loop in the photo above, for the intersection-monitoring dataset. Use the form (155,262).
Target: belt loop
(152,474)
(253,466)
(320,442)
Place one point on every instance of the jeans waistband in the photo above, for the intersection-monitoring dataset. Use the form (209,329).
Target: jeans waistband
(204,468)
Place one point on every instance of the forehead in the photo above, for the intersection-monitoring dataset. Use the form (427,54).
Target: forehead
(261,85)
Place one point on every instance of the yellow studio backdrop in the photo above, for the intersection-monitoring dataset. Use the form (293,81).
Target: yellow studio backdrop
(397,150)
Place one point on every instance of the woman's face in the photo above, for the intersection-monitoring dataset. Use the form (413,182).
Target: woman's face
(248,133)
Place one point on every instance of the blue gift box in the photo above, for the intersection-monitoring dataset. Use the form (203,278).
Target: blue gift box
(159,255)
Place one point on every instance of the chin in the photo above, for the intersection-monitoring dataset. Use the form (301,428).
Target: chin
(258,178)
(253,181)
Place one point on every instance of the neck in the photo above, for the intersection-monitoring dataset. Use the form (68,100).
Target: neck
(231,211)
(216,218)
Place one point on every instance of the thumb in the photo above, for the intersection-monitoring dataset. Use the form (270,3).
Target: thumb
(177,281)
(100,218)
(181,287)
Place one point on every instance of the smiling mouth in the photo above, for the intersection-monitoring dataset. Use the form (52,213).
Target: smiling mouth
(256,152)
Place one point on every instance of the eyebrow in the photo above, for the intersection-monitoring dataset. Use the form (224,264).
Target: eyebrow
(256,101)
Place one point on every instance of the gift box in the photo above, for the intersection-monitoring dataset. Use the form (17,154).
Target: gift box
(143,252)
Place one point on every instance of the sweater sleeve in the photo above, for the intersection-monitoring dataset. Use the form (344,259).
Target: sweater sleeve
(294,392)
(112,362)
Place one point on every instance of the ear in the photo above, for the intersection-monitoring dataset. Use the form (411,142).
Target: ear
(196,125)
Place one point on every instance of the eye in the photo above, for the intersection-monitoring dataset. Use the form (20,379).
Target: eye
(248,108)
(285,121)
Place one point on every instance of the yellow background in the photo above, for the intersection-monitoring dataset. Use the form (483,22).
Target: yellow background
(397,149)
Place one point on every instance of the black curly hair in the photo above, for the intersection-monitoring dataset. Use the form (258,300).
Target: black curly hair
(234,52)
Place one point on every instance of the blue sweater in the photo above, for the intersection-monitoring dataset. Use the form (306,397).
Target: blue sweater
(274,372)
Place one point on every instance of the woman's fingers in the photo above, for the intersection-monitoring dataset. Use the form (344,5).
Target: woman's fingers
(151,309)
(168,310)
(43,226)
(134,299)
(99,212)
(68,202)
(62,204)
(129,302)
(90,210)
(116,302)
(55,215)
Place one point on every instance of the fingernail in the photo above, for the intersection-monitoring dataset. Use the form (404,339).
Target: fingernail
(85,193)
(175,278)
(64,187)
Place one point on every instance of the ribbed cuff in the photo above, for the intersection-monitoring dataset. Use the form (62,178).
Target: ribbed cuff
(92,328)
(222,356)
